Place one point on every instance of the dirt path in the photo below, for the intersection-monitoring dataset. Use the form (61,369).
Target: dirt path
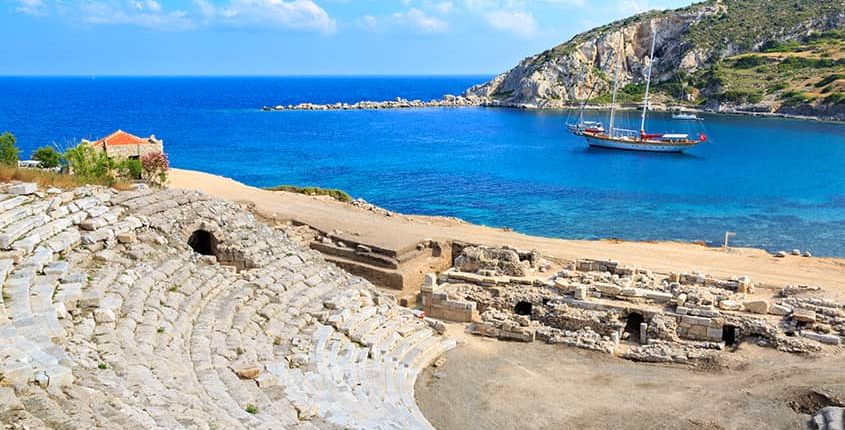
(488,384)
(400,232)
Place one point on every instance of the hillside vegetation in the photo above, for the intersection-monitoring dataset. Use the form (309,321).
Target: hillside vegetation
(726,55)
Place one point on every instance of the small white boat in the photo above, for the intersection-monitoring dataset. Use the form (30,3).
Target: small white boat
(686,116)
(585,127)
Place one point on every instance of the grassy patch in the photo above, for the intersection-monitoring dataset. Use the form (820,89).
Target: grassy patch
(46,178)
(336,194)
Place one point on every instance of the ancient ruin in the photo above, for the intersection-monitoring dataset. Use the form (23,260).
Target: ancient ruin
(172,309)
(626,311)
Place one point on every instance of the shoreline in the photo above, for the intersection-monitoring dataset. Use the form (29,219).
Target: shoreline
(450,101)
(400,232)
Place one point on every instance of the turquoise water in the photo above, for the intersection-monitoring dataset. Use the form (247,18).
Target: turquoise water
(779,184)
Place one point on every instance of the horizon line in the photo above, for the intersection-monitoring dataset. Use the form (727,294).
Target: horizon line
(351,75)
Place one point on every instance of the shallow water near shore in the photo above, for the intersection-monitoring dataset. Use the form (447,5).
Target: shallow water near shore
(777,183)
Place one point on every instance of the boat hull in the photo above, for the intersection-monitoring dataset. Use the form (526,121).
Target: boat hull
(636,145)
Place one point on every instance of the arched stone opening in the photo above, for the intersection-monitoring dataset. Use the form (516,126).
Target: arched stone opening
(729,335)
(632,324)
(203,242)
(523,308)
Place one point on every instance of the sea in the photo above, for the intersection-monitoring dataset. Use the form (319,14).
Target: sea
(779,184)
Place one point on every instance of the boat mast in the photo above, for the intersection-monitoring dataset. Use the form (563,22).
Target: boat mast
(648,77)
(613,99)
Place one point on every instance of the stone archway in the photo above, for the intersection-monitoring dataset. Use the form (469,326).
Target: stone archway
(203,242)
(523,308)
(729,335)
(632,325)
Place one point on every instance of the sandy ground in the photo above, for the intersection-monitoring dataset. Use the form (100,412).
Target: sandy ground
(401,232)
(489,384)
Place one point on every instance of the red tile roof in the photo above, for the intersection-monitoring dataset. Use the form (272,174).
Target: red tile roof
(121,137)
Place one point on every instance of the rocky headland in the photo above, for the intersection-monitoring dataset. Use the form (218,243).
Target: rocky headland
(759,57)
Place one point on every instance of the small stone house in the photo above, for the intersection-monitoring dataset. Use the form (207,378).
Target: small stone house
(121,144)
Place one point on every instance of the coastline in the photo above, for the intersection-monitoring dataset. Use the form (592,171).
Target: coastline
(450,101)
(399,231)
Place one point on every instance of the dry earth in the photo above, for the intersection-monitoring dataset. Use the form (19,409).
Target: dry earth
(489,384)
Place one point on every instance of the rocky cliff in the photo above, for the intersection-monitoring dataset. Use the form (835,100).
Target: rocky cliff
(690,42)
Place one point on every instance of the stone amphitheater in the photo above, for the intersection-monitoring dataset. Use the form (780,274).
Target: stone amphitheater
(171,309)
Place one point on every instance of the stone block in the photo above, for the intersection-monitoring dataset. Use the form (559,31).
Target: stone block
(757,306)
(24,188)
(776,309)
(248,372)
(730,305)
(830,339)
(804,315)
(608,289)
(714,333)
(581,292)
(658,296)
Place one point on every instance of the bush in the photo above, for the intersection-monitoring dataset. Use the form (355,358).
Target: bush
(338,195)
(154,168)
(130,168)
(750,62)
(741,96)
(8,151)
(89,163)
(48,156)
(792,98)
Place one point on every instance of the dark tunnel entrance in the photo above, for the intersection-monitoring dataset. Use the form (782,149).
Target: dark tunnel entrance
(523,308)
(203,242)
(632,324)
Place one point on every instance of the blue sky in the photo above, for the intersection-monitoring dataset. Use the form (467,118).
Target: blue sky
(291,37)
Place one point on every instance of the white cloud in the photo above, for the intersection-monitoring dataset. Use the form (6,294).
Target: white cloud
(444,7)
(31,7)
(368,22)
(148,14)
(297,14)
(294,14)
(517,22)
(419,19)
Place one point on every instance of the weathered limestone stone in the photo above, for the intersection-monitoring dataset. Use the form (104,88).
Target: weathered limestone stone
(804,315)
(830,339)
(103,316)
(23,188)
(757,306)
(730,305)
(780,310)
(248,372)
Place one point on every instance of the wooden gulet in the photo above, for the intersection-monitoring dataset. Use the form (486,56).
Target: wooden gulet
(630,140)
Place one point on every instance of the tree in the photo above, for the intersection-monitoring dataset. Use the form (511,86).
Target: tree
(85,161)
(8,151)
(48,157)
(154,166)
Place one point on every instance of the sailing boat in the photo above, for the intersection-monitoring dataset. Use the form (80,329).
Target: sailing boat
(616,138)
(582,126)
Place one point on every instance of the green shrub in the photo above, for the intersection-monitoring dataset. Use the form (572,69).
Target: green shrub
(792,98)
(741,96)
(749,62)
(8,150)
(130,168)
(338,195)
(251,409)
(829,78)
(91,164)
(835,99)
(48,156)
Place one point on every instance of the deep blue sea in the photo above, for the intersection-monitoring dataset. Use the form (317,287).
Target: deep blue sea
(779,184)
